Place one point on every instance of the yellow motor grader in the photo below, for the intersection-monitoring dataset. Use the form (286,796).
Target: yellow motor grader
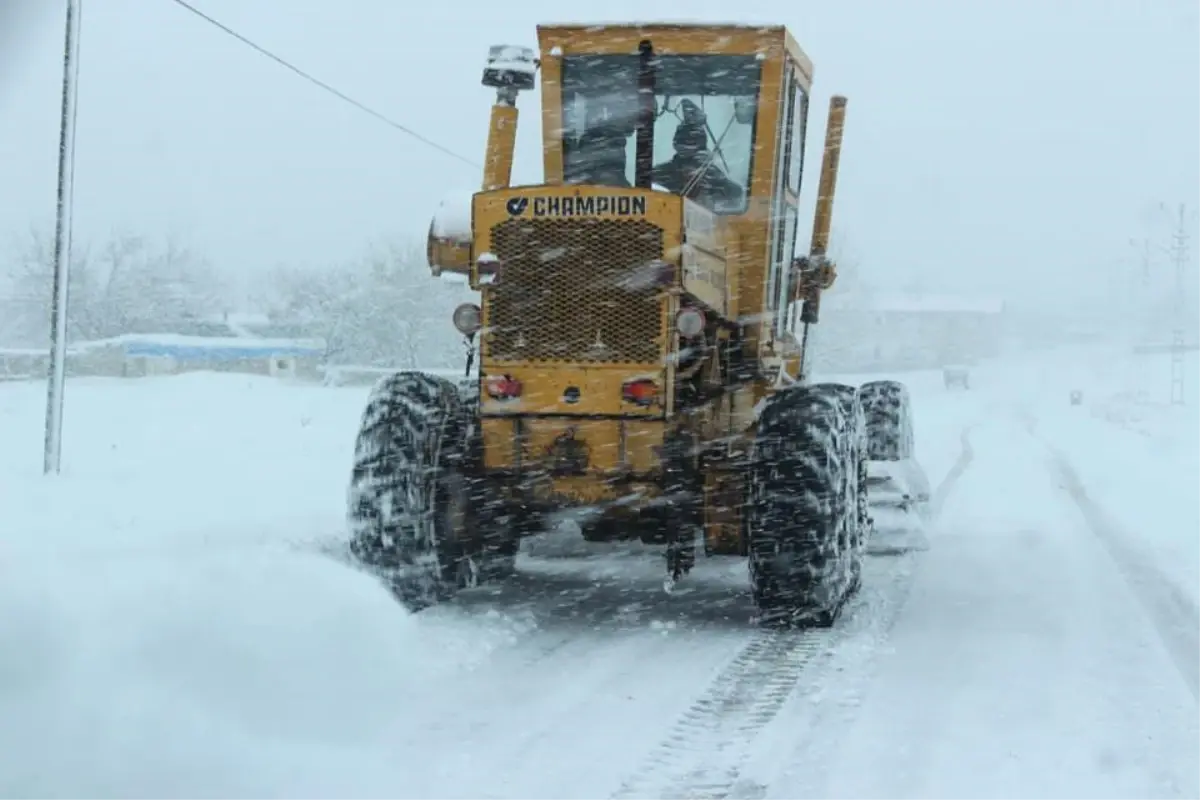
(644,332)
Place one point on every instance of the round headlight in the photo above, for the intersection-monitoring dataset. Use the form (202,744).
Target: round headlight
(468,319)
(690,322)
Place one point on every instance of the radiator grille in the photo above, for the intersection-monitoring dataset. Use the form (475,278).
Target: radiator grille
(570,292)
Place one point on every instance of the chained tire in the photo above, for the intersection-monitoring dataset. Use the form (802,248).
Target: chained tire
(899,493)
(851,407)
(805,513)
(413,519)
(887,411)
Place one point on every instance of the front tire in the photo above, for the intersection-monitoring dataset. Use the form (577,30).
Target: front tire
(410,509)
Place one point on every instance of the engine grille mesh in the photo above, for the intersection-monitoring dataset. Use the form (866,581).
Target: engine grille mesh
(573,290)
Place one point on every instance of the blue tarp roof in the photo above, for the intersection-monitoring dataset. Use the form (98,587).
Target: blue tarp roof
(194,352)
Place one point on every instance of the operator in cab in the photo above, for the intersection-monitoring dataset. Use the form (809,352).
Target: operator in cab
(692,171)
(600,156)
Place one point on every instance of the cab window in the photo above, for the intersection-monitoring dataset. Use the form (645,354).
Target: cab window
(793,123)
(798,122)
(705,109)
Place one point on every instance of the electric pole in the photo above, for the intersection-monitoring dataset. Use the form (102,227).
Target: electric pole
(62,254)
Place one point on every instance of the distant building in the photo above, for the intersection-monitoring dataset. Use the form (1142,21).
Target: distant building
(136,355)
(895,331)
(228,342)
(18,364)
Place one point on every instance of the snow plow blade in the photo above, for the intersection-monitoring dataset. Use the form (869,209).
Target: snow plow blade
(899,501)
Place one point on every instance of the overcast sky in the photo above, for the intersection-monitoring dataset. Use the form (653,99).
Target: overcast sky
(1009,145)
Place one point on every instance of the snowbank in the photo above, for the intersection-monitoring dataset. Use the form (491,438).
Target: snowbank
(255,673)
(166,624)
(184,460)
(261,673)
(1148,484)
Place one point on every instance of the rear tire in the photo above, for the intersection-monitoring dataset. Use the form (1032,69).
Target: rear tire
(887,410)
(805,521)
(411,513)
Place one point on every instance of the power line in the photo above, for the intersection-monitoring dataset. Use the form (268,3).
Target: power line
(321,84)
(74,126)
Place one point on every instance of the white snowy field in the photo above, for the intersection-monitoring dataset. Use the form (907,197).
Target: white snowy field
(167,627)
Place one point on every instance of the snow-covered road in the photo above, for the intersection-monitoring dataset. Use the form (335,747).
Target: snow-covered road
(1024,663)
(166,630)
(651,695)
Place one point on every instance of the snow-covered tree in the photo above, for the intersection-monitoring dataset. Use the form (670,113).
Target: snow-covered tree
(29,276)
(383,310)
(127,285)
(155,289)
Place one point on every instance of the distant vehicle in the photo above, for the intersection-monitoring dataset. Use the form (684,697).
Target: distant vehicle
(957,375)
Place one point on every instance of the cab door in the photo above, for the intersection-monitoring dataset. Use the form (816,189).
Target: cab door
(785,206)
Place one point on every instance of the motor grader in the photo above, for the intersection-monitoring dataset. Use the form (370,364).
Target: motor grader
(644,334)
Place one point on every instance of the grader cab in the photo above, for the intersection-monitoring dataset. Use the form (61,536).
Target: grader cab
(644,331)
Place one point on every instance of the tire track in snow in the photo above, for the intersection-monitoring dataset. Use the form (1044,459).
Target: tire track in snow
(829,706)
(808,733)
(704,752)
(1174,616)
(965,456)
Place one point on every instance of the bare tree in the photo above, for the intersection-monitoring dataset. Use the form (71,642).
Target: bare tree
(383,310)
(30,278)
(131,286)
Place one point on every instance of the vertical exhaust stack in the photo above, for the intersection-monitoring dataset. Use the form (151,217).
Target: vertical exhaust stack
(817,273)
(510,70)
(647,109)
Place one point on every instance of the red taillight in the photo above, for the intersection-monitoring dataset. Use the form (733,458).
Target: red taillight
(502,387)
(642,392)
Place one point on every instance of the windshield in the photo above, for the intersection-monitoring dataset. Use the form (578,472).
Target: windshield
(703,127)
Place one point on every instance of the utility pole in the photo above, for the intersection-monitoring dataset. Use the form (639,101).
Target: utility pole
(1179,246)
(62,254)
